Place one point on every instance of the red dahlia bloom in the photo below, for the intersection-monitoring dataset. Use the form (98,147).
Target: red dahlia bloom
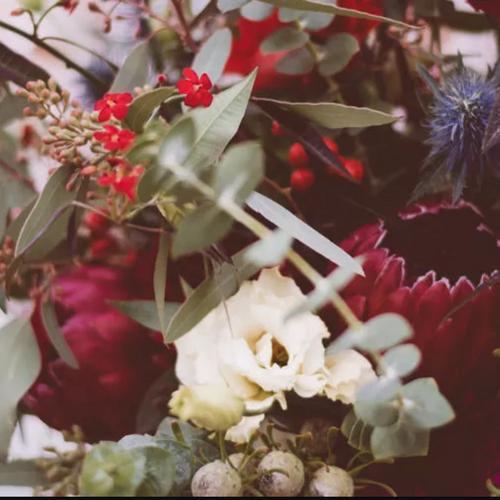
(423,266)
(489,6)
(197,90)
(119,359)
(114,138)
(115,105)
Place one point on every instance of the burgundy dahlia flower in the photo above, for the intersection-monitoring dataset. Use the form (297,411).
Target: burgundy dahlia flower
(424,266)
(119,359)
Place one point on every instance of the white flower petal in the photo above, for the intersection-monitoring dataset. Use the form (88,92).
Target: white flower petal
(242,432)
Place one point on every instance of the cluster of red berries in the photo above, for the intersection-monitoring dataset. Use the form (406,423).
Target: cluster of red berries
(303,177)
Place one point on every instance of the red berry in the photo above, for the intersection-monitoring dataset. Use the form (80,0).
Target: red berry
(302,179)
(331,144)
(355,168)
(162,80)
(277,130)
(297,157)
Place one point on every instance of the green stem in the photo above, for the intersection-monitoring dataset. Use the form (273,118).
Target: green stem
(36,25)
(69,62)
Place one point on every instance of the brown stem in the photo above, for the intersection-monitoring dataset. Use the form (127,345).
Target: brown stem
(286,193)
(177,4)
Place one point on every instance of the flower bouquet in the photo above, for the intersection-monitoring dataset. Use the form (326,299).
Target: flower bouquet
(264,257)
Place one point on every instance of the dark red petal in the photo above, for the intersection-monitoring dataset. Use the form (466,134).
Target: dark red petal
(124,98)
(193,99)
(389,280)
(205,81)
(191,75)
(100,105)
(206,98)
(120,111)
(104,115)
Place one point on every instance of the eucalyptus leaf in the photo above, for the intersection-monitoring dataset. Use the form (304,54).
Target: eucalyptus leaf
(200,229)
(20,365)
(383,332)
(223,284)
(47,216)
(271,250)
(286,15)
(314,6)
(316,21)
(228,5)
(240,172)
(399,440)
(338,51)
(302,232)
(256,11)
(213,55)
(357,432)
(143,107)
(134,71)
(297,62)
(377,414)
(425,405)
(56,335)
(146,313)
(287,38)
(402,360)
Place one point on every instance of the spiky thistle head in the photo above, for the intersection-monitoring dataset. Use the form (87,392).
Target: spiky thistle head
(458,120)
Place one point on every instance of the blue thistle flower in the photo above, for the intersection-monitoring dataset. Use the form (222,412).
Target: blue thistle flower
(459,117)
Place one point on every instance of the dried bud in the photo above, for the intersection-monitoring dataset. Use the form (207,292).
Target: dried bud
(289,482)
(217,479)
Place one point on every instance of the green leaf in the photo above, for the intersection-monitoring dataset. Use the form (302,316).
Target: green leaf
(143,107)
(377,414)
(109,470)
(15,227)
(323,291)
(302,232)
(200,229)
(216,126)
(178,142)
(313,6)
(376,402)
(256,11)
(56,335)
(240,172)
(151,183)
(213,55)
(21,473)
(146,313)
(383,332)
(147,144)
(18,69)
(228,5)
(339,50)
(47,216)
(11,108)
(425,406)
(271,250)
(134,71)
(288,38)
(20,364)
(334,116)
(402,360)
(224,283)
(357,432)
(297,62)
(160,277)
(399,440)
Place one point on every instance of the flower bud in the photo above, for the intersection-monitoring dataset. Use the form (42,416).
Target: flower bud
(33,98)
(331,482)
(211,407)
(17,12)
(289,482)
(45,93)
(217,479)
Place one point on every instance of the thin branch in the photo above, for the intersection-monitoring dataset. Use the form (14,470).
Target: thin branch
(177,4)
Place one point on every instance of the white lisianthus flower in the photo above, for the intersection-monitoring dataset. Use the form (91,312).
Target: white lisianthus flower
(245,344)
(346,372)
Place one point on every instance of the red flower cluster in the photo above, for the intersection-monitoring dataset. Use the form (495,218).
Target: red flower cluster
(197,89)
(115,139)
(489,6)
(303,178)
(115,105)
(123,179)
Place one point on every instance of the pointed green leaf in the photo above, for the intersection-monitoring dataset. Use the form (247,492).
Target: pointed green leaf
(134,71)
(213,55)
(297,62)
(288,38)
(15,227)
(224,283)
(142,107)
(425,406)
(56,335)
(338,51)
(160,277)
(314,6)
(145,312)
(256,11)
(302,232)
(271,250)
(240,171)
(20,365)
(200,229)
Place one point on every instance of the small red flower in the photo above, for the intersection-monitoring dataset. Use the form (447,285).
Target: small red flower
(302,179)
(113,138)
(196,89)
(123,179)
(297,156)
(113,105)
(353,166)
